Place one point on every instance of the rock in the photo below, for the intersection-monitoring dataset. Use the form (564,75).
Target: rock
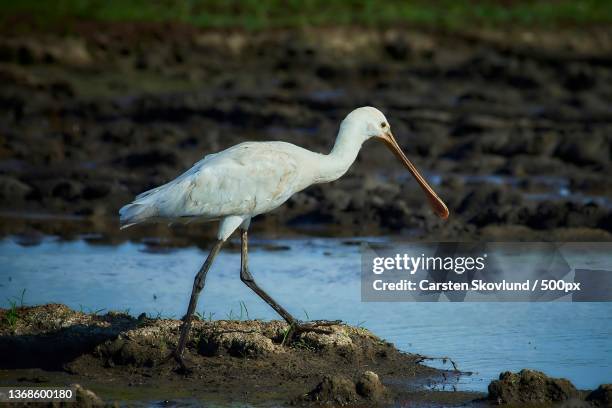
(530,386)
(335,389)
(602,396)
(370,387)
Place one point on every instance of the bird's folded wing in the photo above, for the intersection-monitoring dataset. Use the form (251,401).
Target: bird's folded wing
(245,181)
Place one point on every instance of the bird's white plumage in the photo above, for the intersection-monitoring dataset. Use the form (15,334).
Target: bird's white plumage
(255,177)
(245,180)
(251,178)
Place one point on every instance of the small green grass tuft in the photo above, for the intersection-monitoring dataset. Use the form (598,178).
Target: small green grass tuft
(246,311)
(156,316)
(204,317)
(11,315)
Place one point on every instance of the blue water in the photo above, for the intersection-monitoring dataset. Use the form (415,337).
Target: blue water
(316,279)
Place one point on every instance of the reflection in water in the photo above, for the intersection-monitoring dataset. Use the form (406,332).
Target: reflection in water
(317,279)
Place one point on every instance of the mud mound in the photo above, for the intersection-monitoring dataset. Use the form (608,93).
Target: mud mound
(528,387)
(150,342)
(253,356)
(51,335)
(339,390)
(336,390)
(602,396)
(370,387)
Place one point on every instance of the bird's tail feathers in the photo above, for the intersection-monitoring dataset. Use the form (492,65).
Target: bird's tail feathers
(135,213)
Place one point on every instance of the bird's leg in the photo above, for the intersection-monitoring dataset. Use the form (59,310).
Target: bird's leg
(295,326)
(198,284)
(248,279)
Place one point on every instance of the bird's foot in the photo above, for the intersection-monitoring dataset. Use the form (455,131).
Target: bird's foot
(315,326)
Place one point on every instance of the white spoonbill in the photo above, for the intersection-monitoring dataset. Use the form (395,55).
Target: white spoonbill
(252,178)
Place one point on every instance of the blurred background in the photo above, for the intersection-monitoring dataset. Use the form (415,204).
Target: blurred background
(504,105)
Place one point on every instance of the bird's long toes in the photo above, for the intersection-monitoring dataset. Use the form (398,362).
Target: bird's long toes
(319,323)
(315,326)
(326,322)
(313,330)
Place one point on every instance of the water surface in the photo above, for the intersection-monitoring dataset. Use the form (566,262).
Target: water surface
(315,279)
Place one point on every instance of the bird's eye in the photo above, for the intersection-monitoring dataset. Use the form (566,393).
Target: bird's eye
(383,125)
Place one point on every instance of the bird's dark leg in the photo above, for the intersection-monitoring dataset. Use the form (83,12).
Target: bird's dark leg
(248,279)
(198,284)
(295,326)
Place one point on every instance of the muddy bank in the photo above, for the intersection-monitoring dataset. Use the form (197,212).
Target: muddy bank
(120,360)
(124,359)
(513,129)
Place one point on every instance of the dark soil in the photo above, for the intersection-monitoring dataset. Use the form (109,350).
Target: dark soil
(530,386)
(513,128)
(125,359)
(535,389)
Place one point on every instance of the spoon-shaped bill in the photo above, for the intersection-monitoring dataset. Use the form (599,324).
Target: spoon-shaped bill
(436,202)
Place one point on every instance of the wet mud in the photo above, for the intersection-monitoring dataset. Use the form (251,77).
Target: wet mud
(513,128)
(128,360)
(120,360)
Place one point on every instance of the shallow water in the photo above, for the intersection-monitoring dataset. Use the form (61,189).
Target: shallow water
(315,279)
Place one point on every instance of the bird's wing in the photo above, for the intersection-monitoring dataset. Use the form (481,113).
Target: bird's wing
(247,179)
(191,172)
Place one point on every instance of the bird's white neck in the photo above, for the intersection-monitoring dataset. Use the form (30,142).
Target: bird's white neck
(333,165)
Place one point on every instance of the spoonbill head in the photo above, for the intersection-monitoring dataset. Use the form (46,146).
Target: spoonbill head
(252,178)
(368,122)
